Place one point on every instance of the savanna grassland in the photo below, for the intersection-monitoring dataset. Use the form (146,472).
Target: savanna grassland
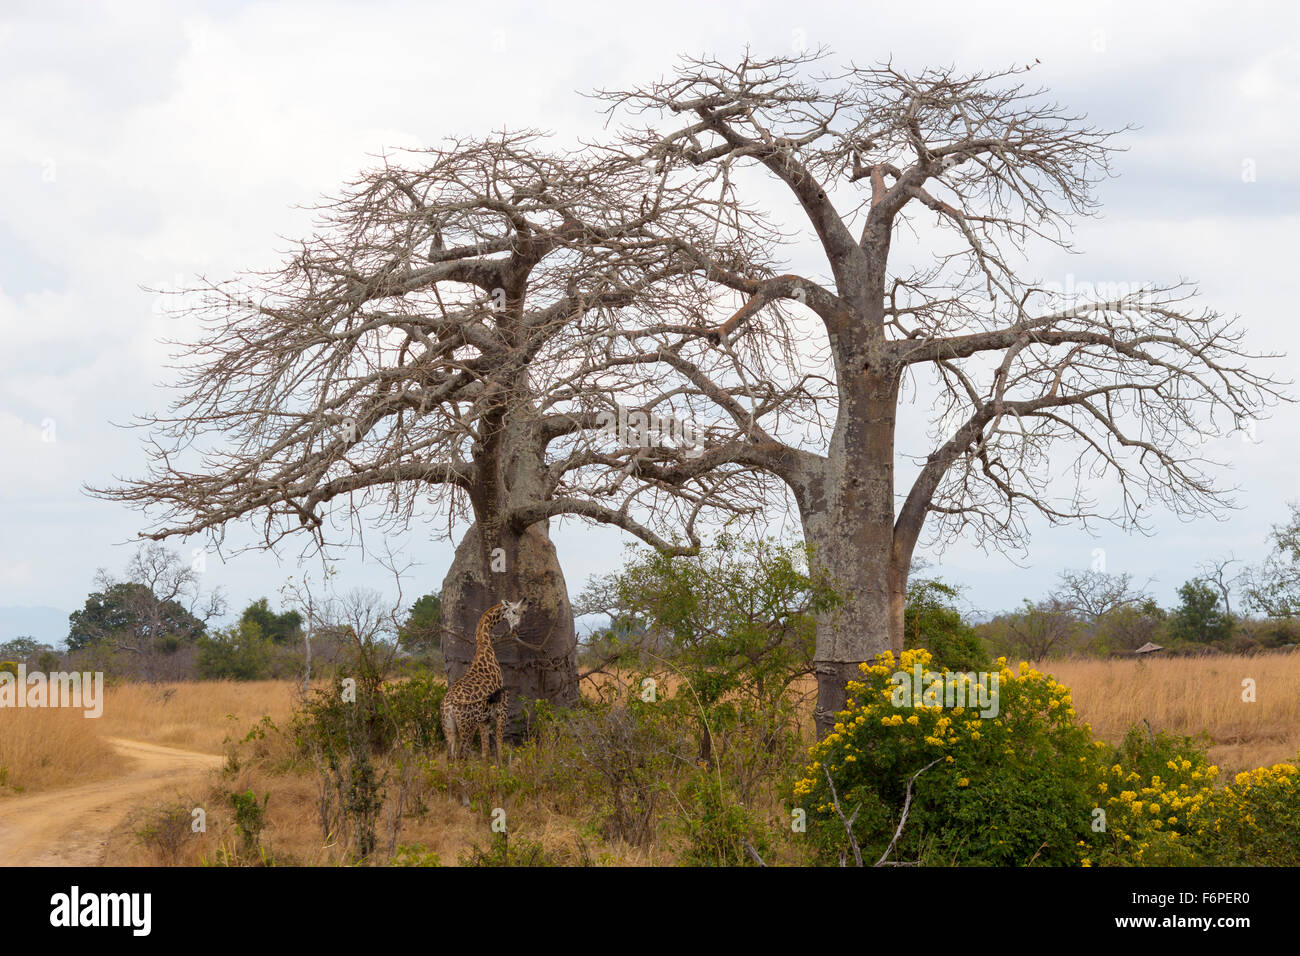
(1193,695)
(432,814)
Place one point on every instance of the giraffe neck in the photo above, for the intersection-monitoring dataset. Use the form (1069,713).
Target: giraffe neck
(483,636)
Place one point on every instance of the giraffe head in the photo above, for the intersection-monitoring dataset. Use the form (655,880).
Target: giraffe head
(512,613)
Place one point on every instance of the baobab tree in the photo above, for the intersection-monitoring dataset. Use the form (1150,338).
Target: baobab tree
(1035,393)
(453,334)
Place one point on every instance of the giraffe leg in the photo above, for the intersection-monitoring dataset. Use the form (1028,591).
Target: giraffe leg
(501,710)
(484,734)
(448,731)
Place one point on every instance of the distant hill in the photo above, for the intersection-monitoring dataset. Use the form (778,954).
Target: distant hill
(48,625)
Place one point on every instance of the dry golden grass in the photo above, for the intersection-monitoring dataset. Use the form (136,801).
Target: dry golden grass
(436,818)
(42,749)
(194,716)
(51,747)
(1191,695)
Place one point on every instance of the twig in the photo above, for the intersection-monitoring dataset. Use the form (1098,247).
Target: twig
(907,805)
(847,821)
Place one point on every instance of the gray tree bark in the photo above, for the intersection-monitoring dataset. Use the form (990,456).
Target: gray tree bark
(543,662)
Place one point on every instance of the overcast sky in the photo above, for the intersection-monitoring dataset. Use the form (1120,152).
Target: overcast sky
(143,143)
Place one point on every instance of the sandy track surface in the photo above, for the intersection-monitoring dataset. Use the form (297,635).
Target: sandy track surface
(70,826)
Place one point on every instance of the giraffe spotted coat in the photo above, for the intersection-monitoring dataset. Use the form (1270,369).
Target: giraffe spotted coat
(478,700)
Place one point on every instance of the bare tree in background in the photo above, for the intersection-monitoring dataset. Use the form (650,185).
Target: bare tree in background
(1037,392)
(1093,594)
(1218,574)
(1272,587)
(456,335)
(156,610)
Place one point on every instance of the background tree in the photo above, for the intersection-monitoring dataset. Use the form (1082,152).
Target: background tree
(740,611)
(1114,615)
(1218,573)
(1093,595)
(421,634)
(283,628)
(1198,618)
(932,620)
(239,652)
(22,648)
(32,652)
(736,619)
(1036,394)
(159,609)
(1273,587)
(1035,631)
(448,337)
(1129,626)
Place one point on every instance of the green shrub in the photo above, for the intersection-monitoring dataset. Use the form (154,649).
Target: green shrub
(239,652)
(1031,786)
(932,621)
(507,851)
(415,854)
(165,831)
(1006,790)
(718,828)
(1164,810)
(1157,791)
(250,820)
(407,712)
(1256,820)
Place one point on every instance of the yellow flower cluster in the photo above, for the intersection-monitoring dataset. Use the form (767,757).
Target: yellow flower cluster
(870,704)
(1167,809)
(1252,788)
(1279,775)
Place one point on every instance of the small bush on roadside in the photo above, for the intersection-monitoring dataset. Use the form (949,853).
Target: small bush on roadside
(505,850)
(165,831)
(719,829)
(415,854)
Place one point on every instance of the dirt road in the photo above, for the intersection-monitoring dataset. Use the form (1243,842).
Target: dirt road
(70,826)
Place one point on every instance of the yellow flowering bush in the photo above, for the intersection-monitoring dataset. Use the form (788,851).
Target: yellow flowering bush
(1256,819)
(1158,793)
(1008,789)
(1167,805)
(1025,786)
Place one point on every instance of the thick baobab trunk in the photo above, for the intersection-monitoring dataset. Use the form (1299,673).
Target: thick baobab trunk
(848,519)
(856,556)
(546,670)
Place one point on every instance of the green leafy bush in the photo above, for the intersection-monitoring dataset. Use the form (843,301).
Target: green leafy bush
(510,851)
(1010,789)
(1256,820)
(719,829)
(932,621)
(406,711)
(1157,791)
(250,820)
(415,854)
(239,652)
(1031,786)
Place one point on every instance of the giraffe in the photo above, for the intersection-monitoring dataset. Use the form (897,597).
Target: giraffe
(479,698)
